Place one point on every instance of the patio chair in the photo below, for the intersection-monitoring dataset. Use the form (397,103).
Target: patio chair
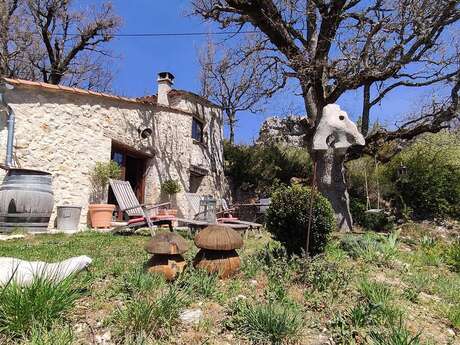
(138,214)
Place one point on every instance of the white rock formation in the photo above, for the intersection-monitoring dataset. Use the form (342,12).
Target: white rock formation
(336,130)
(24,272)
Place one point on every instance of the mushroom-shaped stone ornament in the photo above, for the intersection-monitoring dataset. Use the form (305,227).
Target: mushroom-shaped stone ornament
(167,248)
(217,253)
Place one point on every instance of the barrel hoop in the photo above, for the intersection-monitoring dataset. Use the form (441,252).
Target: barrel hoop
(25,189)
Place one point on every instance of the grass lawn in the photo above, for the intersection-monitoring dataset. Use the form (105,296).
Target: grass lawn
(366,289)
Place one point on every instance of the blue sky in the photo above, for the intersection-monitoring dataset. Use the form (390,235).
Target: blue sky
(140,59)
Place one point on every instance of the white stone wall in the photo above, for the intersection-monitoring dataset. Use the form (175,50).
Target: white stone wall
(66,134)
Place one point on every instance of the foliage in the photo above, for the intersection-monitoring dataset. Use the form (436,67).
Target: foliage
(57,335)
(430,187)
(144,317)
(452,255)
(288,214)
(377,221)
(199,283)
(323,275)
(100,175)
(397,335)
(372,247)
(258,169)
(40,304)
(271,323)
(170,187)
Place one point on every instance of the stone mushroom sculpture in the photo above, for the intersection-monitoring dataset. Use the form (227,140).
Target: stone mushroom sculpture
(217,253)
(167,249)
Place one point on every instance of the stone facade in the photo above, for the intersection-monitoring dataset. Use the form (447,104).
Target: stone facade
(66,131)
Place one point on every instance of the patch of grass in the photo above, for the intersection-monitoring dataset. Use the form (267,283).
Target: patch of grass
(453,315)
(272,323)
(323,275)
(58,335)
(139,282)
(372,247)
(39,305)
(398,334)
(199,283)
(411,294)
(146,317)
(452,256)
(377,298)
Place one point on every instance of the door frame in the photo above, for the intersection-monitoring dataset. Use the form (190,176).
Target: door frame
(126,150)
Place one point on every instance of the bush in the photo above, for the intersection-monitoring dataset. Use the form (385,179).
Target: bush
(170,187)
(100,175)
(377,221)
(287,219)
(430,187)
(23,309)
(452,255)
(257,169)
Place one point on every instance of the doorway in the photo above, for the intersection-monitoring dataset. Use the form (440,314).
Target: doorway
(133,166)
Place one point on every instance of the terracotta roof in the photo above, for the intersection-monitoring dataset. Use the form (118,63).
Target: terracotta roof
(67,89)
(178,93)
(152,99)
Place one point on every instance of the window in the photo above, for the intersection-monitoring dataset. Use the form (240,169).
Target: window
(197,130)
(195,182)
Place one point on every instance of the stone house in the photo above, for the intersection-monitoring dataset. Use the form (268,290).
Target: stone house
(172,135)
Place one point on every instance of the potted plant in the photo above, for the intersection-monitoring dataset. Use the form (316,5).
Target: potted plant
(170,188)
(100,212)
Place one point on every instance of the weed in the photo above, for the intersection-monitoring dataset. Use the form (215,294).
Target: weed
(57,335)
(397,335)
(39,304)
(452,256)
(372,247)
(428,241)
(200,283)
(453,315)
(144,317)
(139,282)
(411,294)
(323,275)
(270,323)
(377,297)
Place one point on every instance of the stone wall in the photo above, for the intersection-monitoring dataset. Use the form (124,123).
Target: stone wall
(66,134)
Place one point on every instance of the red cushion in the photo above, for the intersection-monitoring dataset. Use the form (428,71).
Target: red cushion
(227,219)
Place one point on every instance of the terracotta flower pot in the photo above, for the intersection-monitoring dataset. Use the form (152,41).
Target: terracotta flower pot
(101,215)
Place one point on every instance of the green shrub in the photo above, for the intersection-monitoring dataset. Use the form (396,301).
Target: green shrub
(170,187)
(257,169)
(23,309)
(357,209)
(287,219)
(100,175)
(430,187)
(377,221)
(272,323)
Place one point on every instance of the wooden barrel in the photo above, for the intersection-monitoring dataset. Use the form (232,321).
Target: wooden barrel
(26,200)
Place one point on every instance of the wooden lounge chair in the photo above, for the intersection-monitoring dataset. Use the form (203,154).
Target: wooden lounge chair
(138,214)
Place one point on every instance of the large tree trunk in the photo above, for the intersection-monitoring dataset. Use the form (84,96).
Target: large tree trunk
(231,126)
(330,174)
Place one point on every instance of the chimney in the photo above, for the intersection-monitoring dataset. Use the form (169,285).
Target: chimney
(165,82)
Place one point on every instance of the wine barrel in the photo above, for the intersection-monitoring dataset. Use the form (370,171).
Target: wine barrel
(26,200)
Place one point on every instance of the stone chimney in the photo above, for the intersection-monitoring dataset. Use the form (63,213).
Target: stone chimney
(165,82)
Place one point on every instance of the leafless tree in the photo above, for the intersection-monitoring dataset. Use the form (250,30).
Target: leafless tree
(52,41)
(333,46)
(237,79)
